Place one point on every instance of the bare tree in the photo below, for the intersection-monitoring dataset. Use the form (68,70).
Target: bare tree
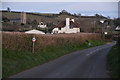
(8,9)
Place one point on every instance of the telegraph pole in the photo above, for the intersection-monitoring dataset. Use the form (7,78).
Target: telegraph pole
(102,21)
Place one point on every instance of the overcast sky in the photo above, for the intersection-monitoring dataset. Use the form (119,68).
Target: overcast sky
(60,0)
(85,8)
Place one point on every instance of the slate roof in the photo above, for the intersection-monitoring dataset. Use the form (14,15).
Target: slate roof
(63,24)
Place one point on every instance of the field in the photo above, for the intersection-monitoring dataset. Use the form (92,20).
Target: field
(17,48)
(86,23)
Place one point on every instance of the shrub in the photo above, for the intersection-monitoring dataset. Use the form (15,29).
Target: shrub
(22,41)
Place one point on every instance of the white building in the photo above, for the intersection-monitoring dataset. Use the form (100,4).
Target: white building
(42,25)
(34,31)
(117,28)
(68,26)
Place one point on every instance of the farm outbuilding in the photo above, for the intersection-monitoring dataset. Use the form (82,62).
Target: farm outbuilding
(42,25)
(34,31)
(117,28)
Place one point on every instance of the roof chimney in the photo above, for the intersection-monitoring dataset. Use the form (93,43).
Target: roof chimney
(67,22)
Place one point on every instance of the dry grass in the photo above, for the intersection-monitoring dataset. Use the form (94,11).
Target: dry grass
(22,41)
(17,49)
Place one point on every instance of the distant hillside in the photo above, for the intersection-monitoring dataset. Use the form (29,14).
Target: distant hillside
(86,22)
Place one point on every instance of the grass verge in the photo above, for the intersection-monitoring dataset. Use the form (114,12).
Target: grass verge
(15,61)
(114,61)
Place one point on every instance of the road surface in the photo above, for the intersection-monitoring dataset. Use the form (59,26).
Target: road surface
(88,63)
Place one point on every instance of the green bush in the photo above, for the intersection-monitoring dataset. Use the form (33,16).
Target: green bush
(114,61)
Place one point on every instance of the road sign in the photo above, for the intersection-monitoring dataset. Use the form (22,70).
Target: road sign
(33,39)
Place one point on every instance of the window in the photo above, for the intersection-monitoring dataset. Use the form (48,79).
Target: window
(59,28)
(71,27)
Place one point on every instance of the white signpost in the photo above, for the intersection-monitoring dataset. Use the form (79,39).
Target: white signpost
(105,33)
(33,40)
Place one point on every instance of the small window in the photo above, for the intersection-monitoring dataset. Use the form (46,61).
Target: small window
(55,32)
(71,27)
(59,28)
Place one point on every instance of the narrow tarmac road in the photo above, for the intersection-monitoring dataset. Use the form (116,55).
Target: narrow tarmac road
(88,63)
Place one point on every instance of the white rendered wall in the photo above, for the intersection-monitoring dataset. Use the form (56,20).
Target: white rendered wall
(72,20)
(64,30)
(42,26)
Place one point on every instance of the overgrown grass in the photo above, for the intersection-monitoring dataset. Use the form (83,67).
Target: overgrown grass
(15,61)
(17,49)
(114,61)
